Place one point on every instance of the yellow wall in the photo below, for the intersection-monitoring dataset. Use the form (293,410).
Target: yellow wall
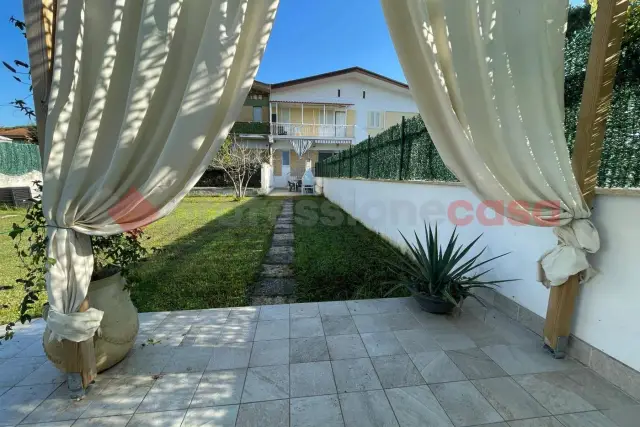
(394,117)
(246,114)
(351,117)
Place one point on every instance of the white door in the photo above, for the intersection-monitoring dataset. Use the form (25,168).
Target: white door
(286,168)
(341,124)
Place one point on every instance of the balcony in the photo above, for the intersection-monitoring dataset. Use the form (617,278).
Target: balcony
(312,130)
(256,128)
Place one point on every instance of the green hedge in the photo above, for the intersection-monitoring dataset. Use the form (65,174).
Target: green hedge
(250,127)
(18,158)
(620,165)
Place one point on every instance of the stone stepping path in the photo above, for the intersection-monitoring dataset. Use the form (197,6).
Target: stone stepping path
(276,284)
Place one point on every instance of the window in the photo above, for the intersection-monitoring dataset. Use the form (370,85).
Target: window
(285,158)
(373,119)
(338,93)
(257,114)
(364,94)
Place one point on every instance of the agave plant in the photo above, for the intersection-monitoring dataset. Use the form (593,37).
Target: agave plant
(441,274)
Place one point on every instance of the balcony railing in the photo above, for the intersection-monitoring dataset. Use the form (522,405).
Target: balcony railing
(312,130)
(261,128)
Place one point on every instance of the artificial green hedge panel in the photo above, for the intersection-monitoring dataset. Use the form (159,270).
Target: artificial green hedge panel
(18,158)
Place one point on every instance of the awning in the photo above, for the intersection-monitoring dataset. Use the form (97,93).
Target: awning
(301,146)
(339,104)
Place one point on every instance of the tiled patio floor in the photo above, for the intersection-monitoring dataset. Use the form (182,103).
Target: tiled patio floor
(361,363)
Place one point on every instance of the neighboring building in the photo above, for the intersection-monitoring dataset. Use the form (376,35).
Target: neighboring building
(17,134)
(313,117)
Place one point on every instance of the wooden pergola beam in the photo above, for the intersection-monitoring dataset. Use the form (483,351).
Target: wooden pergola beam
(607,37)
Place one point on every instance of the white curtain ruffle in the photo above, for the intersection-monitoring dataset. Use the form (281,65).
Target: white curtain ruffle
(143,93)
(488,78)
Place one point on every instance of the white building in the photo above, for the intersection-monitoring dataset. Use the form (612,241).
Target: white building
(313,117)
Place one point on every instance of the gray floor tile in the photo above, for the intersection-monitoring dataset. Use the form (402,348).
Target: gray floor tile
(230,356)
(145,361)
(628,416)
(453,340)
(401,321)
(45,374)
(333,308)
(219,416)
(170,392)
(464,404)
(536,422)
(355,375)
(362,307)
(367,409)
(189,360)
(203,336)
(274,312)
(247,314)
(311,379)
(120,397)
(382,344)
(272,330)
(12,371)
(18,402)
(371,323)
(339,325)
(416,341)
(266,353)
(219,388)
(391,305)
(56,423)
(509,399)
(346,347)
(585,419)
(436,367)
(417,407)
(518,360)
(58,406)
(111,421)
(272,414)
(304,327)
(596,390)
(158,419)
(237,332)
(316,411)
(266,383)
(307,309)
(475,364)
(312,349)
(397,371)
(555,392)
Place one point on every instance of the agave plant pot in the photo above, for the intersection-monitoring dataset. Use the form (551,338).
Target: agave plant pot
(433,305)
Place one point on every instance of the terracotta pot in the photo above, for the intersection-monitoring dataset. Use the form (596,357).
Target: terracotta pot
(119,326)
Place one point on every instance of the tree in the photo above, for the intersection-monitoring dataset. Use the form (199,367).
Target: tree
(240,163)
(21,73)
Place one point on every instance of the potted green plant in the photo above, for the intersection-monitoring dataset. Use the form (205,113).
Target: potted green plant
(440,278)
(114,256)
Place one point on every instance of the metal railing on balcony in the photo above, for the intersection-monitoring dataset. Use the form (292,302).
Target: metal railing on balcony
(261,128)
(312,130)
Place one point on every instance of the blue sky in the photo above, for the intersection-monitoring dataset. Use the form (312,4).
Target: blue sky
(308,37)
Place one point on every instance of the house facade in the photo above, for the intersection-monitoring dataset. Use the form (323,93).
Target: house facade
(311,118)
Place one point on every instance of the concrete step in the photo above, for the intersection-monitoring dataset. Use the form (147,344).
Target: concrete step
(283,239)
(262,300)
(275,286)
(279,255)
(283,228)
(276,270)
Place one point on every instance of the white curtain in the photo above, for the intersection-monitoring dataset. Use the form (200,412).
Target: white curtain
(143,93)
(488,80)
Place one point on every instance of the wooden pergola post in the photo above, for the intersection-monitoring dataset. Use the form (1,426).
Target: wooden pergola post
(609,29)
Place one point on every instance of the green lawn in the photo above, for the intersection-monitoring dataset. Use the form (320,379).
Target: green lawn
(211,250)
(336,257)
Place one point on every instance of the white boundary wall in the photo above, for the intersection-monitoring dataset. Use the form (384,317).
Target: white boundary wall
(607,315)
